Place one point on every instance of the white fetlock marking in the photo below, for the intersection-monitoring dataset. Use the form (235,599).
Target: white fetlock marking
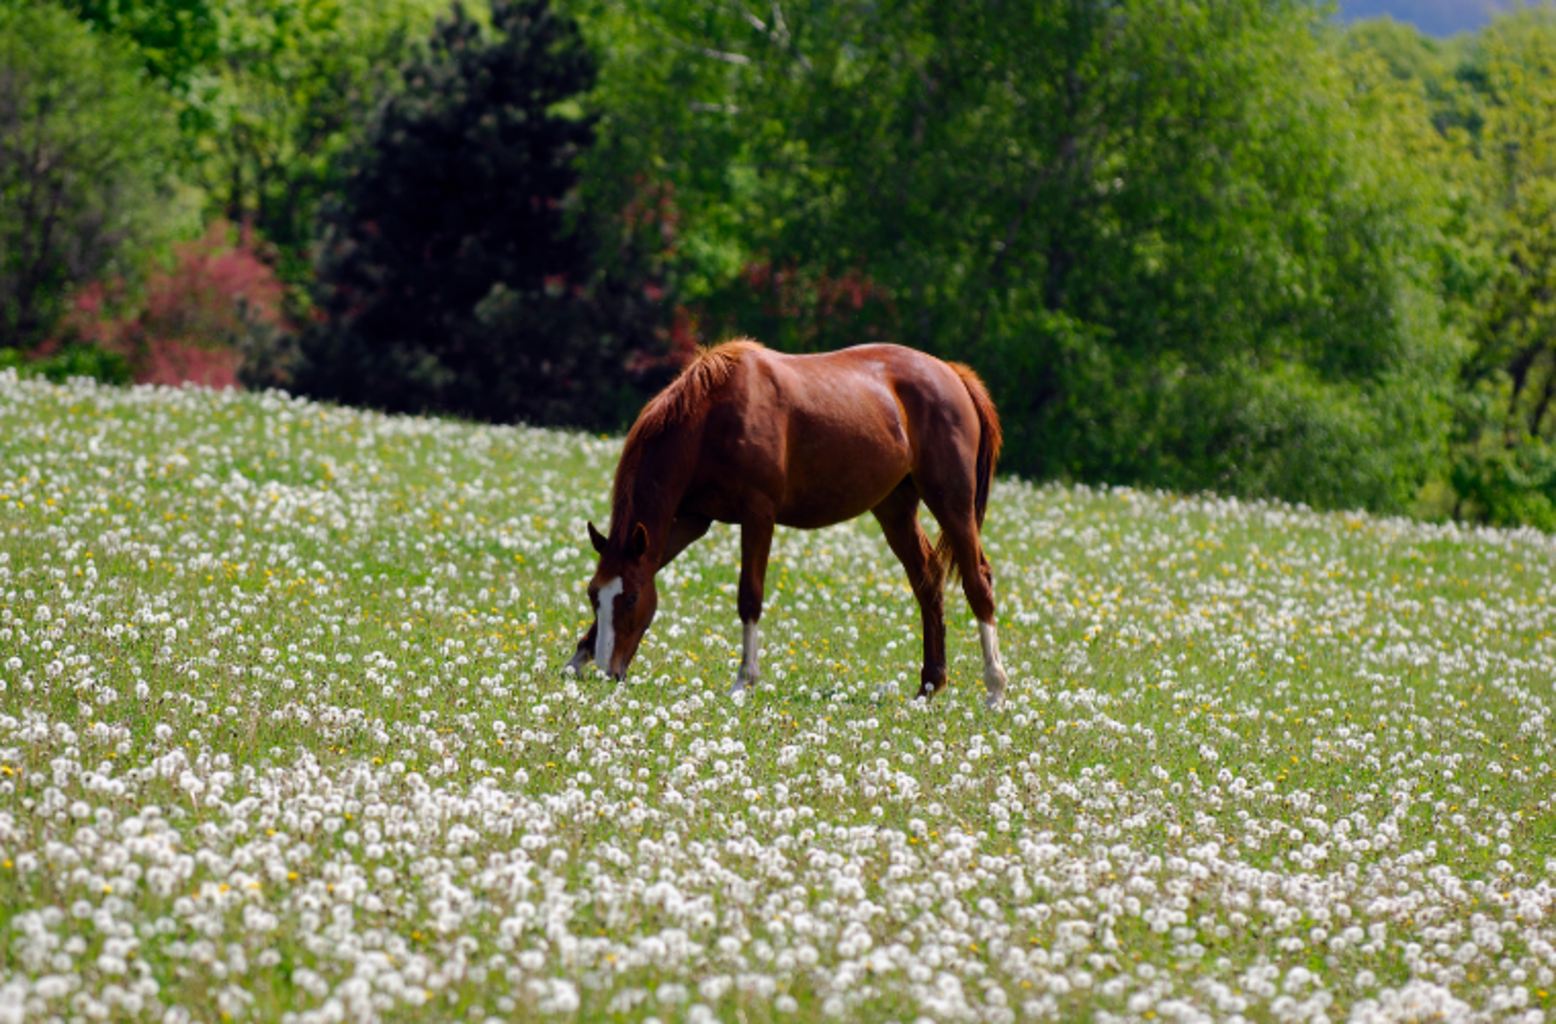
(994,677)
(605,636)
(750,652)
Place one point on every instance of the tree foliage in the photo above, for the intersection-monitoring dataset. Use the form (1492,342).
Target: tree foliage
(175,39)
(456,271)
(209,309)
(1152,224)
(85,145)
(284,97)
(1222,244)
(1505,465)
(269,95)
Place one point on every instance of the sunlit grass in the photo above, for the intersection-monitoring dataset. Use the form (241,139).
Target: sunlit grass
(283,732)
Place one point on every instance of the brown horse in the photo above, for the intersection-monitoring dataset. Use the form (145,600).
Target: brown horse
(751,436)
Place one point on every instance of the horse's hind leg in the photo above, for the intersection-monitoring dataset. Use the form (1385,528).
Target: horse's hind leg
(978,585)
(952,505)
(898,516)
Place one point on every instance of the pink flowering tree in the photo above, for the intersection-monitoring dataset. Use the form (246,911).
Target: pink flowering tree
(198,319)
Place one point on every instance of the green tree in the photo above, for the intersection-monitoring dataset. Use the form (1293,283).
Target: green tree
(269,95)
(1161,228)
(85,144)
(1429,66)
(282,99)
(176,39)
(1505,465)
(456,271)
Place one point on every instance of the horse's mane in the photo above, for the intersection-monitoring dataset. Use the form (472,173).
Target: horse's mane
(688,393)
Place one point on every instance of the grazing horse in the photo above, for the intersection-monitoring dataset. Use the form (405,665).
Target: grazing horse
(751,436)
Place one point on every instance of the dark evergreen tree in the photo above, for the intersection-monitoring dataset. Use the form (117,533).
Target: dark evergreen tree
(456,270)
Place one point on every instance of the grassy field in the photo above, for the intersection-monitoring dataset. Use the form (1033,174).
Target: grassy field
(283,737)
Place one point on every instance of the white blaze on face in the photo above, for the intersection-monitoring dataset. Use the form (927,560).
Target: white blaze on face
(605,636)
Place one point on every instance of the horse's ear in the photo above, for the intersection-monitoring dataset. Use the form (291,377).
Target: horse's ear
(596,539)
(637,544)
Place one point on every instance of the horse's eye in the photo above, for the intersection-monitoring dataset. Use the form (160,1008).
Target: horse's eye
(632,599)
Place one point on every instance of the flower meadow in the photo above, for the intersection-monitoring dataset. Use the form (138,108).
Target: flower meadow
(284,736)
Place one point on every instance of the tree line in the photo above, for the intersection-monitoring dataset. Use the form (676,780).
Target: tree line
(1230,245)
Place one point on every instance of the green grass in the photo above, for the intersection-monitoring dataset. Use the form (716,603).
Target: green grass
(282,732)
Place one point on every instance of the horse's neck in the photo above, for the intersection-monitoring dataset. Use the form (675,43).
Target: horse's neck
(663,475)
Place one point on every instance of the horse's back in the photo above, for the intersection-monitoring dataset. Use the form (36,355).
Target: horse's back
(830,435)
(923,396)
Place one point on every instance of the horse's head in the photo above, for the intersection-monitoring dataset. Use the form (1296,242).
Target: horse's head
(623,596)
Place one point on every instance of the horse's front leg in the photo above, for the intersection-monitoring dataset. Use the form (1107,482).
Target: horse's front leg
(756,541)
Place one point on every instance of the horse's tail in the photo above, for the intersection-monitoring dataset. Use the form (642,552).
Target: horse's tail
(989,436)
(989,440)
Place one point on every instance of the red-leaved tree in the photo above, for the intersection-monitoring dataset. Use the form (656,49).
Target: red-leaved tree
(195,320)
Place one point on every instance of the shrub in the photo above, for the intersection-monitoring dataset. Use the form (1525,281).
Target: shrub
(69,361)
(215,308)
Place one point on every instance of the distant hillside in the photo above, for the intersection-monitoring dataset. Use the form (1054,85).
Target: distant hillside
(1434,17)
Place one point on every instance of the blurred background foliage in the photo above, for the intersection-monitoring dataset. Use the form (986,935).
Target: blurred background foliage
(1228,245)
(456,267)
